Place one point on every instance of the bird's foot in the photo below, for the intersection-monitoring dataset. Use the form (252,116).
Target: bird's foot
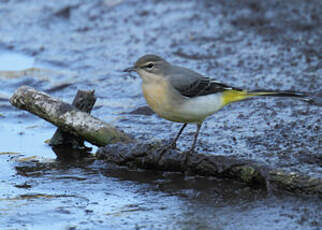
(167,147)
(172,145)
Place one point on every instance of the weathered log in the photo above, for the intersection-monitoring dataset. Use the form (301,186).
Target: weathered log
(84,101)
(155,156)
(67,117)
(295,182)
(68,146)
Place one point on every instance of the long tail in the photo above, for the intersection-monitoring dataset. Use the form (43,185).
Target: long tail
(230,96)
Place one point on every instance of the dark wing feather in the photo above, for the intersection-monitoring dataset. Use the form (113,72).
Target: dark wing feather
(204,86)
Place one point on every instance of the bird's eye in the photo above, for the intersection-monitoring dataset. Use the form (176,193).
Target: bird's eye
(149,66)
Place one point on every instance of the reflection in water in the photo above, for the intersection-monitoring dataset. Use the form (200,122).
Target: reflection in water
(66,152)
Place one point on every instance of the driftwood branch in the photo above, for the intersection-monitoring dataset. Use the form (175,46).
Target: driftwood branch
(154,156)
(66,145)
(67,117)
(84,101)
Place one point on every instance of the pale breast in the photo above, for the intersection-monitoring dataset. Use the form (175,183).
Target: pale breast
(162,99)
(156,96)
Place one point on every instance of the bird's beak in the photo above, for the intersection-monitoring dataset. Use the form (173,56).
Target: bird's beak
(130,69)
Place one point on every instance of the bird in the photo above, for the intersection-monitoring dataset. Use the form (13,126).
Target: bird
(182,95)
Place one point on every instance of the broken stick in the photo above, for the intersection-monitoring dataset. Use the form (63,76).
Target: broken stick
(67,117)
(84,101)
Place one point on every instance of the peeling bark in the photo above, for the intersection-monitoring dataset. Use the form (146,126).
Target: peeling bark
(84,101)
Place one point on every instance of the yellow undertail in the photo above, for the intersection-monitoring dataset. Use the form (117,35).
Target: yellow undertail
(230,96)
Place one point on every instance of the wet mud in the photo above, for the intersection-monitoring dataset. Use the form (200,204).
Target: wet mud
(62,46)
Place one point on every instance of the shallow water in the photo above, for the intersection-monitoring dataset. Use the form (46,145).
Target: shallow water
(62,46)
(11,61)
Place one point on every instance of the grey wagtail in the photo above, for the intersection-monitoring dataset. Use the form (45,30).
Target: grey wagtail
(181,95)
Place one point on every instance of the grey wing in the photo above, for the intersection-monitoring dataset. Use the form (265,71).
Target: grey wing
(191,84)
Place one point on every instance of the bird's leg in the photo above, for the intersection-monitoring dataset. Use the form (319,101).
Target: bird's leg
(195,138)
(173,144)
(193,144)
